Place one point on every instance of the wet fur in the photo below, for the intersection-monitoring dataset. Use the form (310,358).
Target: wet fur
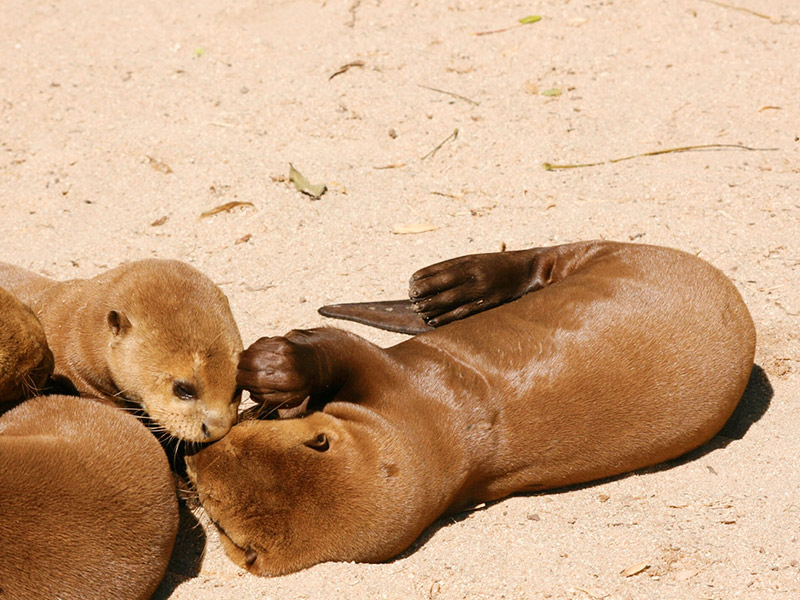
(614,357)
(88,503)
(127,335)
(25,358)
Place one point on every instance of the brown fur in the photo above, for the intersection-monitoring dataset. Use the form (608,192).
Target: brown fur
(25,359)
(616,357)
(135,332)
(88,505)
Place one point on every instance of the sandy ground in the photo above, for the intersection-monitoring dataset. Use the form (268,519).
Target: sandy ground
(122,122)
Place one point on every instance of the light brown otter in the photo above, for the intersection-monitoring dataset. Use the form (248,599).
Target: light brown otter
(88,506)
(156,333)
(25,359)
(615,357)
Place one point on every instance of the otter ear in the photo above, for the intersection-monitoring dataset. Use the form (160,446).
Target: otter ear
(117,322)
(320,443)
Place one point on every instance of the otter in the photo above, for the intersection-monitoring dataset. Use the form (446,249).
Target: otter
(25,358)
(156,334)
(88,507)
(594,359)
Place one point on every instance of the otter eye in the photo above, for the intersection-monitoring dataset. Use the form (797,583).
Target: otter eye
(184,390)
(319,443)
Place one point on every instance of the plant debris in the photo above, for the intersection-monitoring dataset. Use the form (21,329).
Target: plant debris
(302,184)
(776,20)
(409,228)
(347,67)
(450,137)
(227,207)
(634,569)
(520,22)
(553,167)
(158,222)
(454,95)
(159,165)
(552,92)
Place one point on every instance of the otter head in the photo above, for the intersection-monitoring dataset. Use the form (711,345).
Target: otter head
(173,348)
(288,494)
(25,358)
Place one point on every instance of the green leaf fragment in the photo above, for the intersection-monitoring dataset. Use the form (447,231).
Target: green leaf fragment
(530,19)
(302,184)
(552,92)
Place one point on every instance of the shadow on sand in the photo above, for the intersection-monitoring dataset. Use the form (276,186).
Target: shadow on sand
(187,555)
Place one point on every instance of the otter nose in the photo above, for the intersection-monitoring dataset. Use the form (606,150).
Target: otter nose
(214,427)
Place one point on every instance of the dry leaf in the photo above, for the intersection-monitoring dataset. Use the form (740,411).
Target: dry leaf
(227,207)
(531,87)
(159,222)
(159,165)
(634,569)
(244,239)
(577,22)
(302,184)
(413,228)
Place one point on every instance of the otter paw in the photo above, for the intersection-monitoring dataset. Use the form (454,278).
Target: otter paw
(277,371)
(462,286)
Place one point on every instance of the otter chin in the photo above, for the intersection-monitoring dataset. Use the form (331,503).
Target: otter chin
(287,494)
(154,333)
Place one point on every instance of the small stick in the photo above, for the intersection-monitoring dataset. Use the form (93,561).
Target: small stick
(460,97)
(497,30)
(520,23)
(452,136)
(551,167)
(352,10)
(740,9)
(345,68)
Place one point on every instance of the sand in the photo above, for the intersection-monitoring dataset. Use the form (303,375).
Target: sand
(121,123)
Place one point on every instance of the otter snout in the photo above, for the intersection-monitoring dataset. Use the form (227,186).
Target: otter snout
(215,426)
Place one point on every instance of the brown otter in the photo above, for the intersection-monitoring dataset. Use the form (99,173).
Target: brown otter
(25,359)
(88,506)
(156,333)
(614,357)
